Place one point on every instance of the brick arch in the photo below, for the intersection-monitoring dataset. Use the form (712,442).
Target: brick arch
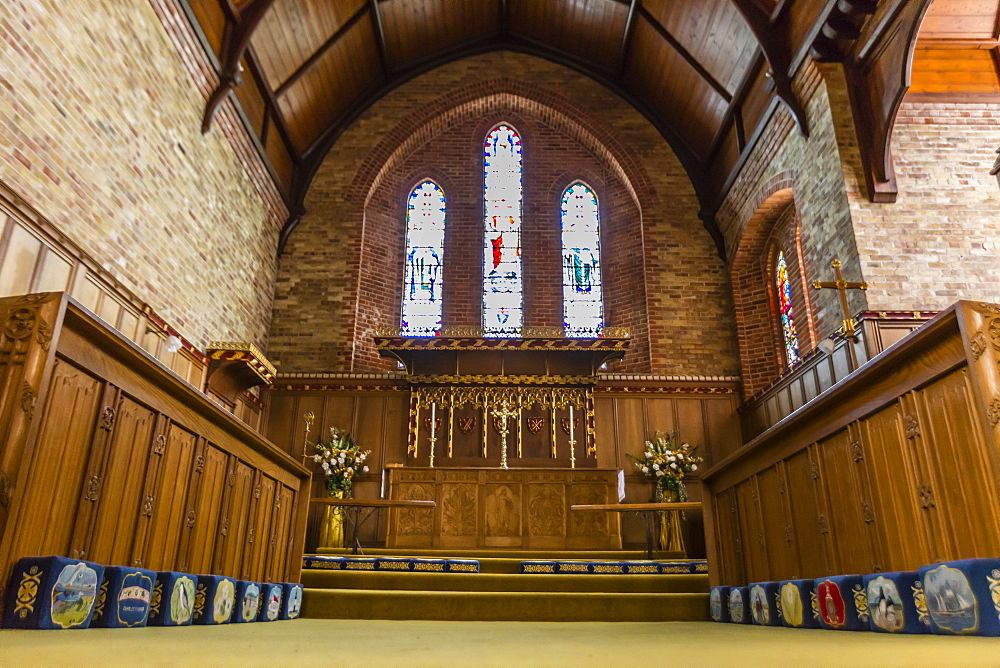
(453,108)
(761,345)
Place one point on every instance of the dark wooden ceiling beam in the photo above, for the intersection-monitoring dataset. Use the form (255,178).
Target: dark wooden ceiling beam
(271,102)
(773,35)
(504,20)
(379,36)
(627,35)
(313,156)
(735,107)
(311,61)
(236,36)
(685,54)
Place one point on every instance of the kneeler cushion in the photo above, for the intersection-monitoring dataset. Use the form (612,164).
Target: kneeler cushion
(642,567)
(270,605)
(739,609)
(323,562)
(124,598)
(534,567)
(891,606)
(677,567)
(718,604)
(839,598)
(962,597)
(214,600)
(395,564)
(172,603)
(429,565)
(248,601)
(463,565)
(798,604)
(764,604)
(291,607)
(51,593)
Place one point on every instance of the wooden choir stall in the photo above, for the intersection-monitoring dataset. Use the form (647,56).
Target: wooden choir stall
(502,439)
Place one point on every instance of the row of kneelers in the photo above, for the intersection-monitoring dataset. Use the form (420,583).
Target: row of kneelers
(614,567)
(950,598)
(60,593)
(395,564)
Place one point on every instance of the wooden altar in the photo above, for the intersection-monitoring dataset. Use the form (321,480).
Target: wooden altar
(515,508)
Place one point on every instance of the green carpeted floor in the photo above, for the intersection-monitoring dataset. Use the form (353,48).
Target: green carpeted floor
(312,642)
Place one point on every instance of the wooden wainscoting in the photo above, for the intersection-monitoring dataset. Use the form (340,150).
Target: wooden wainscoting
(107,455)
(896,467)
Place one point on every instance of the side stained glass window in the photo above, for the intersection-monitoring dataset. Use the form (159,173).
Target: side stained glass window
(502,276)
(787,316)
(423,286)
(583,305)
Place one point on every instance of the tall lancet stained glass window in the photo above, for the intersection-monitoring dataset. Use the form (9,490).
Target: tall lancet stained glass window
(787,315)
(424,251)
(502,276)
(583,310)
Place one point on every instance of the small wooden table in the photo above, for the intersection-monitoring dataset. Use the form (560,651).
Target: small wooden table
(647,509)
(357,505)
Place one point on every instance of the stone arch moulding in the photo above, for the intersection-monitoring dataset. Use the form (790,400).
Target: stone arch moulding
(437,117)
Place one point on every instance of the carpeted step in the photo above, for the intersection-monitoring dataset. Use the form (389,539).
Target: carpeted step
(505,606)
(499,565)
(520,555)
(481,582)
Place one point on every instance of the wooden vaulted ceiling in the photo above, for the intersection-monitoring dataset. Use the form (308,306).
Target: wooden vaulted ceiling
(705,73)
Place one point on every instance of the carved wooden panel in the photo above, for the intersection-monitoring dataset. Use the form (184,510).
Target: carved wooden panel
(889,464)
(262,516)
(58,462)
(810,538)
(235,519)
(282,534)
(169,509)
(751,531)
(958,494)
(779,542)
(121,477)
(212,469)
(517,508)
(844,483)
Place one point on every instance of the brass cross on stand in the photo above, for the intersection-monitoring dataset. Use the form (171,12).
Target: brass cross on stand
(848,323)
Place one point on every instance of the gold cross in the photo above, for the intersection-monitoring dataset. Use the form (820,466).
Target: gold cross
(848,323)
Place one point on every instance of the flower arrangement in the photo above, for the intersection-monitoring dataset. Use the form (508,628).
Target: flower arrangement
(667,462)
(341,460)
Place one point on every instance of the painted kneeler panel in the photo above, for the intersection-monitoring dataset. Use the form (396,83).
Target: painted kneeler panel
(51,593)
(124,598)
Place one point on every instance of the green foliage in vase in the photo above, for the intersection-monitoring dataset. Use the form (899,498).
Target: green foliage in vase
(667,461)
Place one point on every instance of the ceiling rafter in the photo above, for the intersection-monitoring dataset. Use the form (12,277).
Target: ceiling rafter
(685,54)
(772,34)
(627,35)
(313,156)
(504,20)
(311,61)
(273,111)
(379,36)
(239,28)
(734,109)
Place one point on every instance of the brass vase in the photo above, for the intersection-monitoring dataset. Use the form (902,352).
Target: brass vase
(331,527)
(671,530)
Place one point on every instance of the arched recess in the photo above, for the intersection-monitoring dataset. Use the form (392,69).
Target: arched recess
(375,188)
(774,226)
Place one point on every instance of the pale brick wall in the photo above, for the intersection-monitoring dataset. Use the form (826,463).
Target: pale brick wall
(683,319)
(100,132)
(940,241)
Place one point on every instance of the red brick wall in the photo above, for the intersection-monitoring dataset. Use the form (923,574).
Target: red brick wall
(100,132)
(662,276)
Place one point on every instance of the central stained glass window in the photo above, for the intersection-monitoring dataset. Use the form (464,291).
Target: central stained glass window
(583,305)
(502,275)
(423,287)
(787,316)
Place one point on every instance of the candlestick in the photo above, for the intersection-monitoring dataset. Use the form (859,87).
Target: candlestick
(433,438)
(308,417)
(572,440)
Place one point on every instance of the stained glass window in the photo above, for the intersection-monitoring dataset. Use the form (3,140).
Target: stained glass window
(423,286)
(787,316)
(502,277)
(583,311)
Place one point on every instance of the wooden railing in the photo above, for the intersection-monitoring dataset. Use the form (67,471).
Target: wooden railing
(107,455)
(893,467)
(821,369)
